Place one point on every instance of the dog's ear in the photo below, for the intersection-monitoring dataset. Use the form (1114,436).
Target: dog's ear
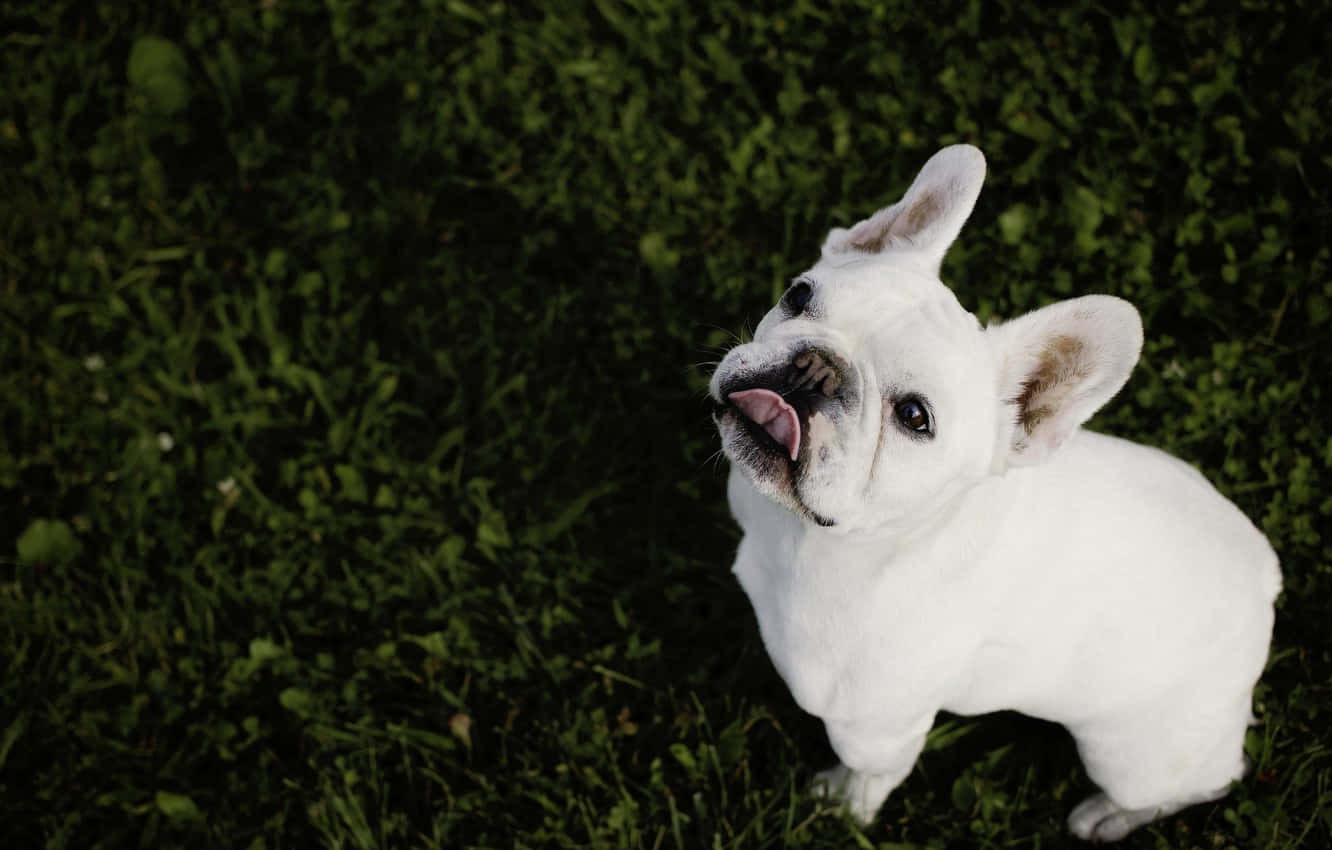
(1059,365)
(929,216)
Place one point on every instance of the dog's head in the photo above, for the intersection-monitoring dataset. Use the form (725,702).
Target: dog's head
(869,397)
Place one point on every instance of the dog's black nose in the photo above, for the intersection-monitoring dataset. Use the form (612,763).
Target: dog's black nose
(817,371)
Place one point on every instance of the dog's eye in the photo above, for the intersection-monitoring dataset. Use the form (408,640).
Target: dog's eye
(797,297)
(911,413)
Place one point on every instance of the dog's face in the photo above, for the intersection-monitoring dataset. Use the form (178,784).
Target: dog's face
(869,397)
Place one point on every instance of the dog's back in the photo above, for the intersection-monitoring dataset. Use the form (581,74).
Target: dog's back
(1159,577)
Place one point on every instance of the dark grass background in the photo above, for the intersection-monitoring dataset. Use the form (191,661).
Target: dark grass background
(354,475)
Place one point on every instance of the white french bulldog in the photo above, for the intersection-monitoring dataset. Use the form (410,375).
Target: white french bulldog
(926,526)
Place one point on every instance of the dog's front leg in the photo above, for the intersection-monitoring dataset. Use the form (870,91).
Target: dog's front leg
(876,756)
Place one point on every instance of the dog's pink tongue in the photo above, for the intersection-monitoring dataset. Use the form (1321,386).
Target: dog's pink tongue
(776,416)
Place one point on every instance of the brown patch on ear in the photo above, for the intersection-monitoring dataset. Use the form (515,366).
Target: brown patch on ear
(905,225)
(872,243)
(1060,368)
(922,212)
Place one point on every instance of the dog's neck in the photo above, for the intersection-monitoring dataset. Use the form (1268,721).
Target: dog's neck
(951,535)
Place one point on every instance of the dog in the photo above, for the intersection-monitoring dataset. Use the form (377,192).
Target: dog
(927,526)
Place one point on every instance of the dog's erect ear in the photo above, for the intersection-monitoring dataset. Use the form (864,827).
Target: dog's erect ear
(1059,365)
(929,216)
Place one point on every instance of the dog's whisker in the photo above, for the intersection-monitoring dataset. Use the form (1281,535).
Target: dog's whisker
(730,334)
(713,459)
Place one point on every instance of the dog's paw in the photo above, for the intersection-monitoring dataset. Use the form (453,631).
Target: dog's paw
(1100,820)
(829,783)
(1097,811)
(859,794)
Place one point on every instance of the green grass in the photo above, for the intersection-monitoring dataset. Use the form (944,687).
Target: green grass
(354,474)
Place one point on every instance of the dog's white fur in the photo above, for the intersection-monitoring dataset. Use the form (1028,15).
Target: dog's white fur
(1011,560)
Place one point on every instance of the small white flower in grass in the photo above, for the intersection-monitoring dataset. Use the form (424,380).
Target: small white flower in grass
(226,486)
(93,362)
(165,441)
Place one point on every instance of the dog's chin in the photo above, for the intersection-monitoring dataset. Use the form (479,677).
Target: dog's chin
(767,463)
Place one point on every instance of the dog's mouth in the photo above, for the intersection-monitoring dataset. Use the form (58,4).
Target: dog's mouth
(768,410)
(774,407)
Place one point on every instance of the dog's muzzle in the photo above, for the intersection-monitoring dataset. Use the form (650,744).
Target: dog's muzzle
(775,403)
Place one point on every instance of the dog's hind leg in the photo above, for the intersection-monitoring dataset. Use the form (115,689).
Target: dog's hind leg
(1156,763)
